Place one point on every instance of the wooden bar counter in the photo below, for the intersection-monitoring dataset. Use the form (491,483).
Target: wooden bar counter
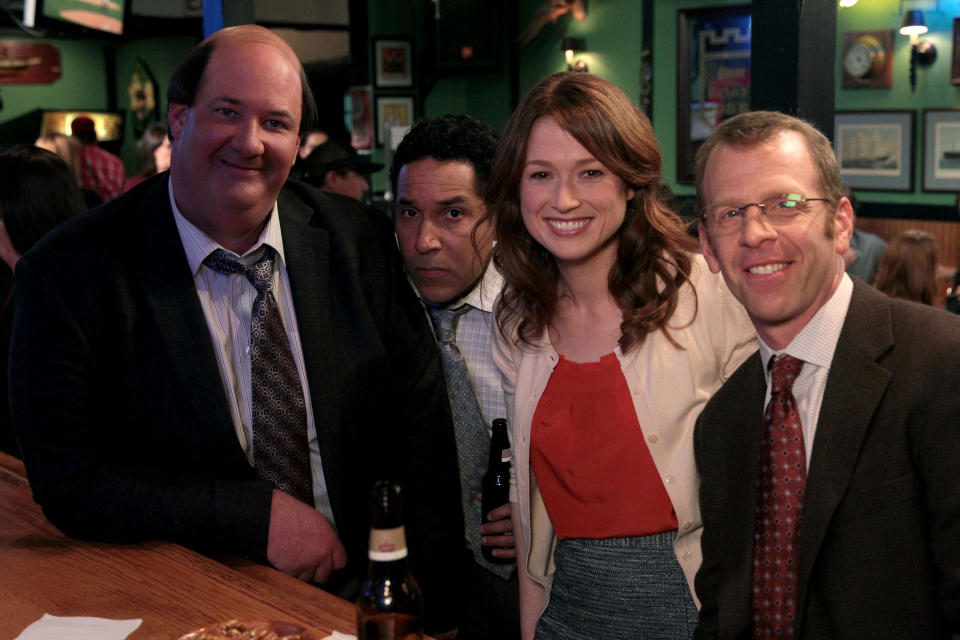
(173,589)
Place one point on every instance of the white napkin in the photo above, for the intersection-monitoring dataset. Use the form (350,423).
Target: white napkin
(76,628)
(336,635)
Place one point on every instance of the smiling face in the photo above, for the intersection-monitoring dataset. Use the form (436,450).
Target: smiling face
(781,274)
(437,209)
(571,203)
(234,147)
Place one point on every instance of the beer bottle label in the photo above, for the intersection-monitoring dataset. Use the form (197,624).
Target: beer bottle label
(387,545)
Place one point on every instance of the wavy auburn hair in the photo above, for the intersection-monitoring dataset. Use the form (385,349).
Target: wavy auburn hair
(908,268)
(653,254)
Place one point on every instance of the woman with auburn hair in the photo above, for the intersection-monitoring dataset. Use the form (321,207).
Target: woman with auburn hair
(908,268)
(611,336)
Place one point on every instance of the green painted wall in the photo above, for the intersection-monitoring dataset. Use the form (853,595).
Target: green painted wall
(83,84)
(933,83)
(161,56)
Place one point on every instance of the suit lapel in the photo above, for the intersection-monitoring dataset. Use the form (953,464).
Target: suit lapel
(855,386)
(307,257)
(743,431)
(171,295)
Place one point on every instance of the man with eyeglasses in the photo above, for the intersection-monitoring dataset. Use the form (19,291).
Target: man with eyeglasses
(830,461)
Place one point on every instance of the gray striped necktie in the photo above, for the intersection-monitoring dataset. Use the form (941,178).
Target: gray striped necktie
(470,429)
(280,453)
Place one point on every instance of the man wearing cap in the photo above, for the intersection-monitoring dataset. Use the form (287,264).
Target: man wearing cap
(100,170)
(333,169)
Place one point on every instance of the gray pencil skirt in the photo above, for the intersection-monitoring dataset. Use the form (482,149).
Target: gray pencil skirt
(618,589)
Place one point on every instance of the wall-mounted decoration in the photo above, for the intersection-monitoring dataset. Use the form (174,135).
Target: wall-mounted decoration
(142,91)
(393,62)
(394,117)
(868,59)
(941,150)
(955,54)
(713,76)
(875,149)
(28,63)
(361,117)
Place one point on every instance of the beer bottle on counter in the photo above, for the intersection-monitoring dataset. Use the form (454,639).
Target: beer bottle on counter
(389,605)
(496,481)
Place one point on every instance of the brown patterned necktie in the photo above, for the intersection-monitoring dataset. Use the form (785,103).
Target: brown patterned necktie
(280,453)
(781,481)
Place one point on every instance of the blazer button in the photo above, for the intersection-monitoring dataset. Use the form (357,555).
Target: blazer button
(668,479)
(652,438)
(687,525)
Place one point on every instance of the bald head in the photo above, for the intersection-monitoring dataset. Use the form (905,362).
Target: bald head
(186,80)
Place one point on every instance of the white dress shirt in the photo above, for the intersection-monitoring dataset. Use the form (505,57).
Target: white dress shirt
(227,302)
(815,345)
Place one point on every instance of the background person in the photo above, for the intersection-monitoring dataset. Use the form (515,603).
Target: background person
(100,170)
(337,169)
(38,191)
(153,152)
(142,413)
(611,336)
(908,269)
(68,148)
(439,172)
(857,448)
(866,249)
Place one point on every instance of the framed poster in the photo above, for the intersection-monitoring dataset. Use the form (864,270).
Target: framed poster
(875,149)
(713,76)
(393,62)
(955,53)
(941,149)
(394,118)
(361,117)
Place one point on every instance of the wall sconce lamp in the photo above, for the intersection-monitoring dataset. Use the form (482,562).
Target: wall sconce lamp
(922,52)
(844,4)
(570,47)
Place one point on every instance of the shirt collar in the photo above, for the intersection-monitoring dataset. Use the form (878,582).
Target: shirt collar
(817,341)
(198,245)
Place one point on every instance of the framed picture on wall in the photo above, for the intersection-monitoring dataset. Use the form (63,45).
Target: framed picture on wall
(361,117)
(713,76)
(394,118)
(941,149)
(875,149)
(955,53)
(393,62)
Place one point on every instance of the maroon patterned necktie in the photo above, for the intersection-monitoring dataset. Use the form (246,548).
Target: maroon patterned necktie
(280,453)
(781,481)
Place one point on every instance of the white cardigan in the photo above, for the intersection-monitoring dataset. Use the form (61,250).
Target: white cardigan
(669,388)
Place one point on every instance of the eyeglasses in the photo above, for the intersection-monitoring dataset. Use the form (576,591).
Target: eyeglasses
(776,210)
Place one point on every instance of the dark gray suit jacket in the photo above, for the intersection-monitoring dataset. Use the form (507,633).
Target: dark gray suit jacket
(880,536)
(119,408)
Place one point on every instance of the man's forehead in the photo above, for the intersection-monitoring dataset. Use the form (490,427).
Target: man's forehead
(441,179)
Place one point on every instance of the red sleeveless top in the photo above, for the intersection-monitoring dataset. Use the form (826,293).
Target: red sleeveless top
(589,458)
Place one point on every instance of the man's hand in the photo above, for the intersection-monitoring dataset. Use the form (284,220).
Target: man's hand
(301,542)
(499,532)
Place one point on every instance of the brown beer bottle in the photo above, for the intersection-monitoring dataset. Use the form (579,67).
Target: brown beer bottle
(496,481)
(389,605)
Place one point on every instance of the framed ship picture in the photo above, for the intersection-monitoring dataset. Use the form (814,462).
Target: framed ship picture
(875,149)
(941,150)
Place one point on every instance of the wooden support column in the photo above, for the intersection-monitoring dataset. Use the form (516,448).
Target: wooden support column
(793,51)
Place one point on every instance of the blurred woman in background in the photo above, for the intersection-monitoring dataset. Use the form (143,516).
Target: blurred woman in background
(153,150)
(68,149)
(38,191)
(908,268)
(611,336)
